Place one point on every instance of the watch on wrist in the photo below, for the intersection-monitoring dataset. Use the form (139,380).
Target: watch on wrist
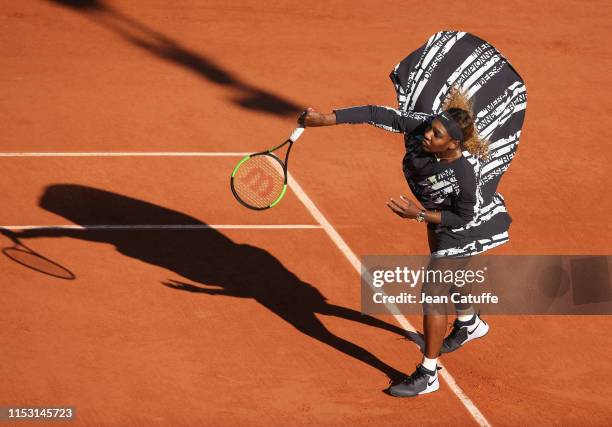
(421,216)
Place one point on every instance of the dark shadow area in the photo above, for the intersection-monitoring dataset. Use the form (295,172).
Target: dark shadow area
(208,262)
(244,94)
(80,4)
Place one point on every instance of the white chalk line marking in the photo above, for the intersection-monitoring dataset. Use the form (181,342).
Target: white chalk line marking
(126,154)
(166,227)
(352,258)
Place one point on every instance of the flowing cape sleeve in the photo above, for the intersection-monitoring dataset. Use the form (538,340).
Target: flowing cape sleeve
(423,79)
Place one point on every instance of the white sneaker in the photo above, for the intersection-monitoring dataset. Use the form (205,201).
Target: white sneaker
(422,381)
(464,332)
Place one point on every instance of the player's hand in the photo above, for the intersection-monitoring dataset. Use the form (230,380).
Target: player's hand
(312,118)
(404,207)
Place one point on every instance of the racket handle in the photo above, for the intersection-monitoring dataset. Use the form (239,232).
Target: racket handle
(296,133)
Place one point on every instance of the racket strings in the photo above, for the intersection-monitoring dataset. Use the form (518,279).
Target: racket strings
(259,181)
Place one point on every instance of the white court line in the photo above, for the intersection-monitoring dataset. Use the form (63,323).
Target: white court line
(126,154)
(352,258)
(166,227)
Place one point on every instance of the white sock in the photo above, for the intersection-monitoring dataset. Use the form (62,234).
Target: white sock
(465,317)
(430,364)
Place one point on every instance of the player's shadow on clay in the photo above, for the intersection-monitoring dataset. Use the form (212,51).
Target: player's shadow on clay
(244,94)
(208,262)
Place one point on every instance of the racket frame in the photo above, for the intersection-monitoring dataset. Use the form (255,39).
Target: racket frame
(268,153)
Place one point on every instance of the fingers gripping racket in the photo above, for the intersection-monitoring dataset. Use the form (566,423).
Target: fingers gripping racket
(27,257)
(259,180)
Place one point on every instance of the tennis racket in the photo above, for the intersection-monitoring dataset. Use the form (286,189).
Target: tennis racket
(259,180)
(21,254)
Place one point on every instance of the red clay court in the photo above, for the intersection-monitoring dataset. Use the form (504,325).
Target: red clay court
(121,123)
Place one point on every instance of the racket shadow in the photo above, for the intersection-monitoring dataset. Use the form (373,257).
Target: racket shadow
(38,263)
(208,260)
(33,260)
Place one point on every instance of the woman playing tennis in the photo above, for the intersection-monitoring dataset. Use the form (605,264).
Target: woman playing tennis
(445,184)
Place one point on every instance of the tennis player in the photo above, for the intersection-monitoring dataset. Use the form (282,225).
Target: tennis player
(445,184)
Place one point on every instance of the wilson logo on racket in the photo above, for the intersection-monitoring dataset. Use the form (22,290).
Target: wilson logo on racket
(259,181)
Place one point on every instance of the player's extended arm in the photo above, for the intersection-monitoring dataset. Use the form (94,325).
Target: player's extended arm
(383,117)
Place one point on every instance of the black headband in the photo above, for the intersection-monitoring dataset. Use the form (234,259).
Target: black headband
(452,127)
